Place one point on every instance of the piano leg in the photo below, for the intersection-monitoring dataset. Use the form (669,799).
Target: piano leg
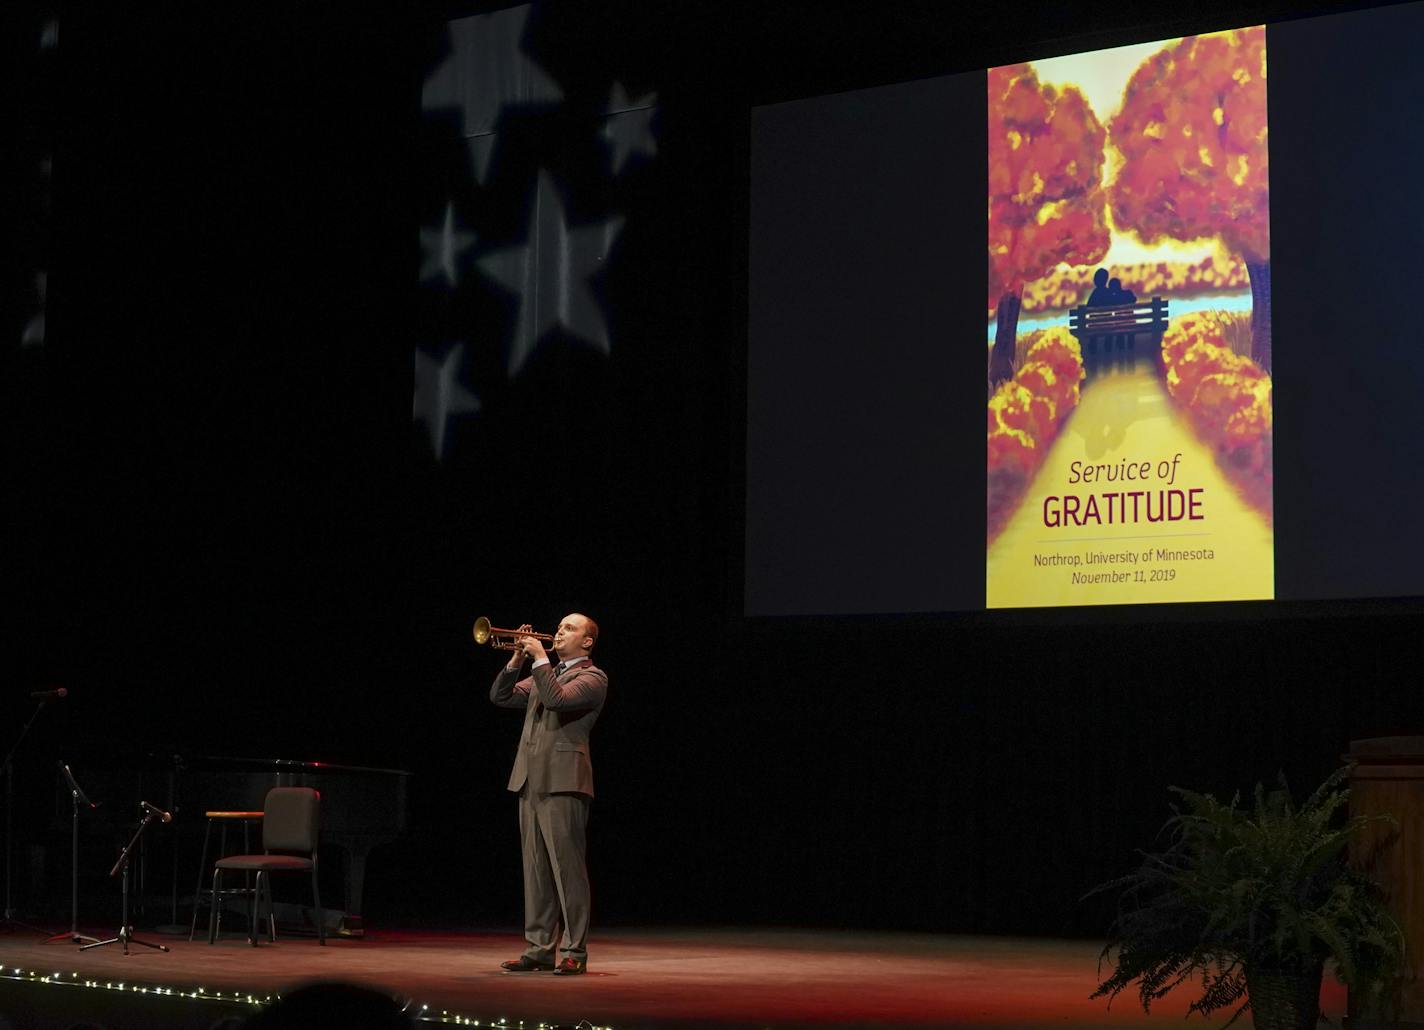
(351,923)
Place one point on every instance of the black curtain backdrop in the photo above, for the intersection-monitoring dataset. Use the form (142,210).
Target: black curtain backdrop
(225,537)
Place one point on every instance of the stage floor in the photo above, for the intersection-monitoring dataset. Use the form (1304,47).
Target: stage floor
(637,978)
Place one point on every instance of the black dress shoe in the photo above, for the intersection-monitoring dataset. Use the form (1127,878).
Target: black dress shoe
(525,964)
(570,967)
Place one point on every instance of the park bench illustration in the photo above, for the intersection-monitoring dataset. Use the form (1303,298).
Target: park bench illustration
(1108,335)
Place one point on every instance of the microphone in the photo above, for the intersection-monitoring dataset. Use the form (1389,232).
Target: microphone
(74,787)
(167,817)
(48,695)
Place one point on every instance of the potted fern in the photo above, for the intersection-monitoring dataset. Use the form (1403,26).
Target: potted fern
(1249,903)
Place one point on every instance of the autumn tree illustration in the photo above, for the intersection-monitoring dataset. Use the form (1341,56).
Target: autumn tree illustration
(1192,135)
(1046,199)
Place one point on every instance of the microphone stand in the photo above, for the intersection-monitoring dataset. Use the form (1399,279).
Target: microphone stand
(10,922)
(77,797)
(175,763)
(125,935)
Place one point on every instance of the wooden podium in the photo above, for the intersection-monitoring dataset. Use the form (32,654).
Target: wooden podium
(1389,780)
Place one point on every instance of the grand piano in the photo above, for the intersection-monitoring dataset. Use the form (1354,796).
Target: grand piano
(361,807)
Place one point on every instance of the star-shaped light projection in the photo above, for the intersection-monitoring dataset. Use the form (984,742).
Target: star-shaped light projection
(33,335)
(34,331)
(486,70)
(550,273)
(629,128)
(481,152)
(441,249)
(439,394)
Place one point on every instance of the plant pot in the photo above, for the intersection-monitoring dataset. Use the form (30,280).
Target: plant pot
(1284,999)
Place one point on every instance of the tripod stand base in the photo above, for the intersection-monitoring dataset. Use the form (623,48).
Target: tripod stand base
(125,938)
(70,938)
(73,937)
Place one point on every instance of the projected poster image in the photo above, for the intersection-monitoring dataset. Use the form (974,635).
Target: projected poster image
(1129,332)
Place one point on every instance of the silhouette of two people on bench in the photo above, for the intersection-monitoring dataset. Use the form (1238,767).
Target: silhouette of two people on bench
(1109,294)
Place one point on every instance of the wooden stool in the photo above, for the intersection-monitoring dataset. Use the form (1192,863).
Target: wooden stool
(223,821)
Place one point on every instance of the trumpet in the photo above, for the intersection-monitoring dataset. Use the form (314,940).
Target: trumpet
(504,639)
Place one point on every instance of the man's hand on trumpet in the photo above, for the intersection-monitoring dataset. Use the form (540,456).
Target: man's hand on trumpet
(533,647)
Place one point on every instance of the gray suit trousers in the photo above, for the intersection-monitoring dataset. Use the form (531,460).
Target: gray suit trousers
(552,833)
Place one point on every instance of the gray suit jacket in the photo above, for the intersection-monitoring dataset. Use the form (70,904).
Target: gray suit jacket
(559,713)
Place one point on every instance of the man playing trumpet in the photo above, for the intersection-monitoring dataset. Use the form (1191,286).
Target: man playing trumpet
(553,777)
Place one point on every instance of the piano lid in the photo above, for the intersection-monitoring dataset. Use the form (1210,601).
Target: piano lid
(286,765)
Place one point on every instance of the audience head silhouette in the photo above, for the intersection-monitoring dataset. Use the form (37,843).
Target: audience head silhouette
(332,1005)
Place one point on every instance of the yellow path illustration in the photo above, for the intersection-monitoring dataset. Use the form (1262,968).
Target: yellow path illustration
(1126,418)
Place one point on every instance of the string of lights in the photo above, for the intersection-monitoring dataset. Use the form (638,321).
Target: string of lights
(421,1012)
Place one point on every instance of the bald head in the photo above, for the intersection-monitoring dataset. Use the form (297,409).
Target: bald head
(575,636)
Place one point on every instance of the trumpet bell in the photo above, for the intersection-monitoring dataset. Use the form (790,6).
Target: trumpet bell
(504,639)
